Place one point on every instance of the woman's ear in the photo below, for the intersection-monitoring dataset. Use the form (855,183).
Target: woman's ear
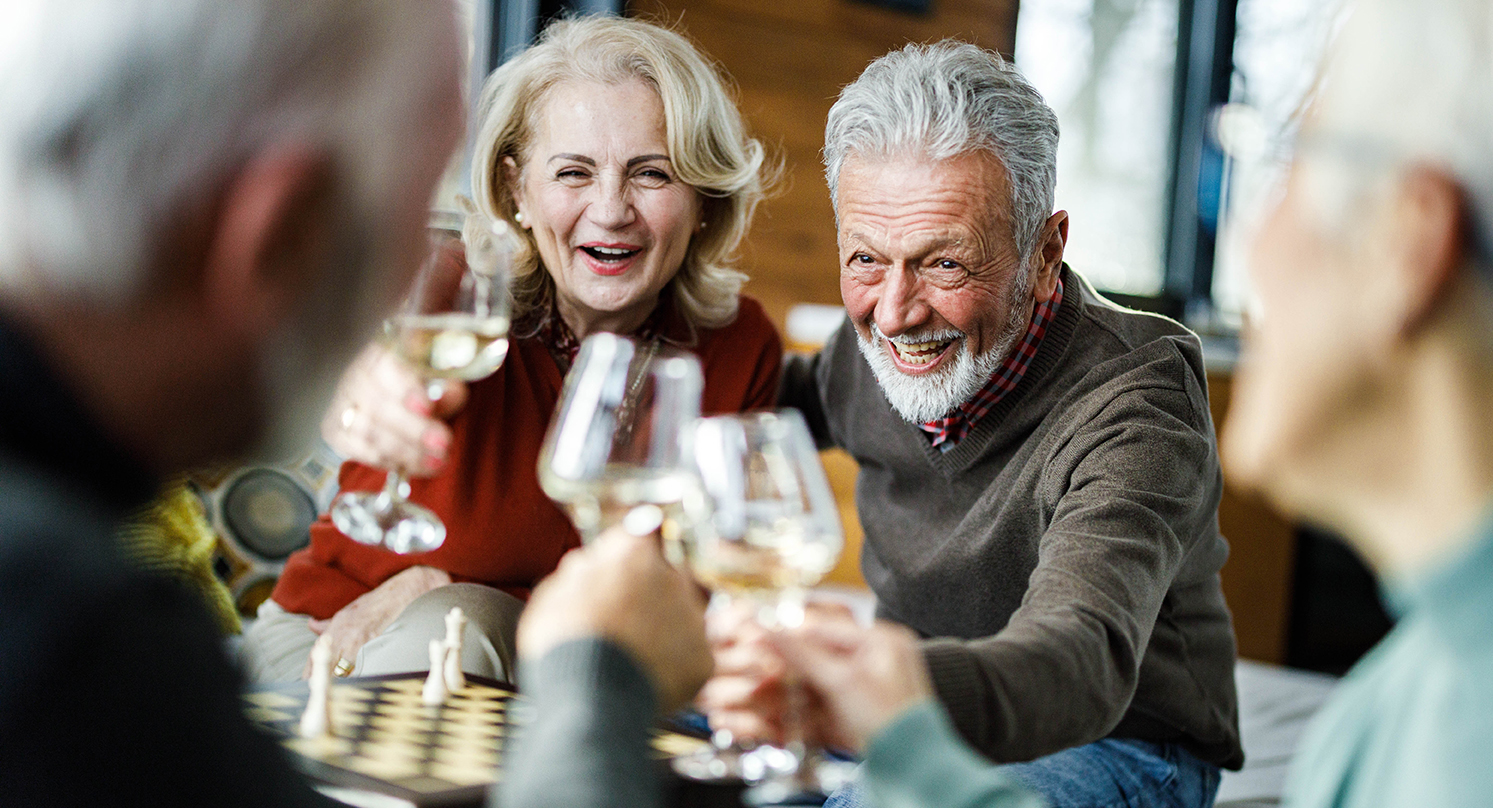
(271,238)
(514,177)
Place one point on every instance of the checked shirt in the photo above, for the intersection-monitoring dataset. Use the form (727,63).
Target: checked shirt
(946,432)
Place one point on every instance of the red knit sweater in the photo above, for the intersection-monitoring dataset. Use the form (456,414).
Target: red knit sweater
(501,529)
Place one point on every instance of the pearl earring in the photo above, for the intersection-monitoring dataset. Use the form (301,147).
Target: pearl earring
(519,217)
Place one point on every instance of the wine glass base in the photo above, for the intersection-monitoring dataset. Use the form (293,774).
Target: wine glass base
(782,778)
(403,527)
(710,765)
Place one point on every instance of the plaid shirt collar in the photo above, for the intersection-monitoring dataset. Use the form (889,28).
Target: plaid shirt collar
(946,432)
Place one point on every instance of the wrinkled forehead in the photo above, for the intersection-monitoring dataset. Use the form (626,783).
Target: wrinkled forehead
(973,186)
(541,110)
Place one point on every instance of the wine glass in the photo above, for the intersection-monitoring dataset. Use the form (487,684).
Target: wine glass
(452,325)
(773,533)
(620,438)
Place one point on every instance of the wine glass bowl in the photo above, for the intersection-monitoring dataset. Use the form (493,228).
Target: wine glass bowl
(620,437)
(775,528)
(453,324)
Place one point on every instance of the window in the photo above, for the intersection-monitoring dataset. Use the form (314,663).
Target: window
(1105,67)
(1136,85)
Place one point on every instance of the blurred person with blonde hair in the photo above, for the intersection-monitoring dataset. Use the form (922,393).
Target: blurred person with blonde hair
(208,208)
(614,148)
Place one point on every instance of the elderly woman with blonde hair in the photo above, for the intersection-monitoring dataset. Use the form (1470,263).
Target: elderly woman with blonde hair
(613,146)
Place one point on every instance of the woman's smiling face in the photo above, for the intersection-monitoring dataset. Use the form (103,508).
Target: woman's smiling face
(610,216)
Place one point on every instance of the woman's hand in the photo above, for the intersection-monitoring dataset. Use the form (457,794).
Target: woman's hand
(367,617)
(381,415)
(859,678)
(746,695)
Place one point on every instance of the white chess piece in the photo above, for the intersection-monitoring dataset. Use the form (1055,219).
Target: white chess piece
(316,722)
(456,624)
(434,692)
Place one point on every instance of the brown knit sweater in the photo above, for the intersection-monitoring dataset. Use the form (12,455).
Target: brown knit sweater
(1063,558)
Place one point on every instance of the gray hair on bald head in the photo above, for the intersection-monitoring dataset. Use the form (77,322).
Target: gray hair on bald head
(122,115)
(1404,83)
(944,100)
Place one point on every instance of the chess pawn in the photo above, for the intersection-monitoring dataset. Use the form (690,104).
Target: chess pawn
(316,722)
(434,692)
(455,626)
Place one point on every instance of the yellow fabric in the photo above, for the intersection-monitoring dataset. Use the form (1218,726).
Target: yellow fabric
(172,536)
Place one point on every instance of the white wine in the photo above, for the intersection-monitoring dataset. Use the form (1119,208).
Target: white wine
(449,346)
(765,560)
(596,505)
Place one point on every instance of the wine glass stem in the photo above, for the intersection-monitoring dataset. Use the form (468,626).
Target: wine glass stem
(395,486)
(789,614)
(396,483)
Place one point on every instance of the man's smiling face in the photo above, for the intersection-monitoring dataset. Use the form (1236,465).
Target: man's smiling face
(931,275)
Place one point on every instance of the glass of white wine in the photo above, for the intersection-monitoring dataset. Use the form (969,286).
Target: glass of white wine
(620,438)
(774,532)
(452,325)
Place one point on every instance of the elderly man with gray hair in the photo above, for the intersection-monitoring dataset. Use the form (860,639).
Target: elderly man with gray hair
(208,206)
(1039,479)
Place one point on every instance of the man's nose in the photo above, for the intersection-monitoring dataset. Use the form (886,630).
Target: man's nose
(899,307)
(611,205)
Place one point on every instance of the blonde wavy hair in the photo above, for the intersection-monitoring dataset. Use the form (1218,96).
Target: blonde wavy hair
(707,140)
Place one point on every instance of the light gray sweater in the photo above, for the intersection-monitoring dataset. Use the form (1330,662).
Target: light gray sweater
(1063,558)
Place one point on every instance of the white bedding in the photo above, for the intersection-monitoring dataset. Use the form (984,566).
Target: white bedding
(1275,705)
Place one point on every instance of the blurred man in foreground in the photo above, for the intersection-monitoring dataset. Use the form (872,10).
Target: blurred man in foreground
(1363,400)
(207,208)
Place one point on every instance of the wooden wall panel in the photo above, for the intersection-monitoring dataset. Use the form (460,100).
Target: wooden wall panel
(789,60)
(1262,556)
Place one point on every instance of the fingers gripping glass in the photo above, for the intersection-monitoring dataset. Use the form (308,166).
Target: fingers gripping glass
(774,532)
(452,325)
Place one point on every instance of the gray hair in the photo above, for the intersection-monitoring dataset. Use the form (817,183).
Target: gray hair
(1372,113)
(945,100)
(122,114)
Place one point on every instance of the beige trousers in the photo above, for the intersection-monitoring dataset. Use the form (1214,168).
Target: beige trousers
(276,646)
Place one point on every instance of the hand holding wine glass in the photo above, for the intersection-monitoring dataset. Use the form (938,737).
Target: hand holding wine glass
(452,325)
(774,533)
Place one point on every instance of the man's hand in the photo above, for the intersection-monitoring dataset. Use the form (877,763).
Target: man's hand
(860,678)
(620,588)
(365,618)
(746,694)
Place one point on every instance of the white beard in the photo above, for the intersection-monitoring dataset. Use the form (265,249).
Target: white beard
(919,399)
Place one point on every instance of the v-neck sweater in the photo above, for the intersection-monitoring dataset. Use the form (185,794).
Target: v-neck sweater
(1063,558)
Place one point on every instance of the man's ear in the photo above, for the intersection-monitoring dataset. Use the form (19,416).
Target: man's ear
(271,236)
(1048,257)
(1425,238)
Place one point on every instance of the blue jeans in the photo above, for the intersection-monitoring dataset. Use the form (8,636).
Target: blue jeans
(1111,773)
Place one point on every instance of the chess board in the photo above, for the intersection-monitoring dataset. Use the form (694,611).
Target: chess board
(386,740)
